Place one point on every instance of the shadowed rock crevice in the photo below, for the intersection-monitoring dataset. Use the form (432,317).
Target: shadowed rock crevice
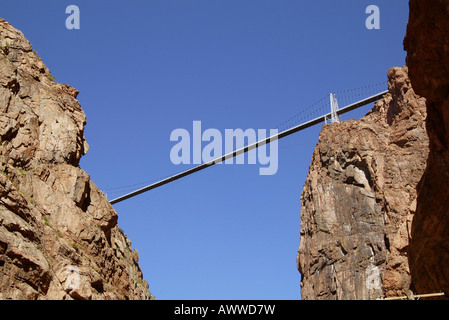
(427,46)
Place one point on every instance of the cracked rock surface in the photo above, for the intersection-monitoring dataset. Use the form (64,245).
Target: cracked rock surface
(359,198)
(59,237)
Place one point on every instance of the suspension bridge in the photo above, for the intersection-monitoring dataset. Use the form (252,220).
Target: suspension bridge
(332,116)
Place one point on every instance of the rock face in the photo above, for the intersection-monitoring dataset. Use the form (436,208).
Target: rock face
(359,199)
(427,45)
(59,237)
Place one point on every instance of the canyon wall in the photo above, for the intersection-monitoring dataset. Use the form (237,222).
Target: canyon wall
(427,46)
(59,237)
(375,207)
(359,199)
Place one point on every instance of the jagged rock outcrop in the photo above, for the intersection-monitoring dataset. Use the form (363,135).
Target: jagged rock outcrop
(59,237)
(359,199)
(427,46)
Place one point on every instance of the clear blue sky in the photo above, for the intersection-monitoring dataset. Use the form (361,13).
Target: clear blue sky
(145,68)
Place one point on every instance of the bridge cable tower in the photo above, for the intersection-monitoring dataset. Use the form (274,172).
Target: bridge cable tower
(334,115)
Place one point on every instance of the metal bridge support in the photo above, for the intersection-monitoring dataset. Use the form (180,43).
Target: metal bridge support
(334,108)
(333,116)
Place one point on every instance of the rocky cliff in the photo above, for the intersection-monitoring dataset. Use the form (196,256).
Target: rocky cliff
(59,237)
(402,198)
(359,198)
(427,45)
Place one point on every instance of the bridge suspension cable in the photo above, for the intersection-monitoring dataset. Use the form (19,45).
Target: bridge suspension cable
(334,114)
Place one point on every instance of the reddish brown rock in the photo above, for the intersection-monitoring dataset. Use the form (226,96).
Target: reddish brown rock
(59,237)
(427,45)
(359,199)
